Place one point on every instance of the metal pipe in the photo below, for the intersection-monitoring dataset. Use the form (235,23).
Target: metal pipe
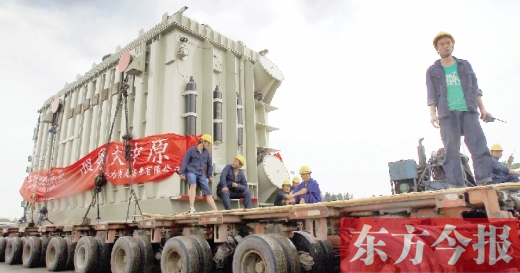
(217,115)
(240,121)
(191,107)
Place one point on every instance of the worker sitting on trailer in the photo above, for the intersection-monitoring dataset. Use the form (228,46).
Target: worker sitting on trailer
(295,182)
(306,192)
(233,184)
(192,168)
(280,199)
(502,173)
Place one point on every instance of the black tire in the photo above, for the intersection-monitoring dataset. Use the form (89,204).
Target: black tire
(259,249)
(13,251)
(126,256)
(69,257)
(329,257)
(86,255)
(3,244)
(303,242)
(56,256)
(291,254)
(44,243)
(104,251)
(32,250)
(204,251)
(180,255)
(147,259)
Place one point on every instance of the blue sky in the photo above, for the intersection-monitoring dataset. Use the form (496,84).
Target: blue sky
(353,98)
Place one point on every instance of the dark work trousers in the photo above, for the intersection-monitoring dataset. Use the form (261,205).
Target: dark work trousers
(452,128)
(227,196)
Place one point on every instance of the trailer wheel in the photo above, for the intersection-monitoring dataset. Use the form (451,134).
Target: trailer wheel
(126,256)
(259,253)
(303,242)
(291,254)
(32,250)
(56,256)
(86,255)
(104,250)
(180,255)
(13,251)
(328,255)
(69,258)
(147,258)
(44,243)
(3,244)
(204,251)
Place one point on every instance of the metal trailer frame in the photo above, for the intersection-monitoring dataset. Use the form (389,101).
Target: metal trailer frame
(297,236)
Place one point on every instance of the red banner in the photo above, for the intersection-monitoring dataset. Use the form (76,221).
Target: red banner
(153,158)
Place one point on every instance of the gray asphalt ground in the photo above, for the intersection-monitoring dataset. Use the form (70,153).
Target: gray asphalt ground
(5,268)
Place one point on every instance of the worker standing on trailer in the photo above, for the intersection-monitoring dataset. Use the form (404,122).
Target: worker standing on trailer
(295,182)
(192,169)
(306,192)
(454,99)
(233,184)
(502,173)
(280,199)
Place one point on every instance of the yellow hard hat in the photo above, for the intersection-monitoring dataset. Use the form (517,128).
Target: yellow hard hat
(496,147)
(296,179)
(286,182)
(442,34)
(305,169)
(206,137)
(241,159)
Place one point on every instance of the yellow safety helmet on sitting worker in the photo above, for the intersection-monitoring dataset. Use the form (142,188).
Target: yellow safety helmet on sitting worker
(496,147)
(442,34)
(286,182)
(206,137)
(241,159)
(305,170)
(296,179)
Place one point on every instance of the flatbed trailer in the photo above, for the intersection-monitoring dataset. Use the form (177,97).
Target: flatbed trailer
(155,78)
(294,238)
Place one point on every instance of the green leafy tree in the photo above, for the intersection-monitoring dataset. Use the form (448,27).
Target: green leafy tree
(326,197)
(513,166)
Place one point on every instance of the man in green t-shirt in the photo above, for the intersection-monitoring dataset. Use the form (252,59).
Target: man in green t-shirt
(455,99)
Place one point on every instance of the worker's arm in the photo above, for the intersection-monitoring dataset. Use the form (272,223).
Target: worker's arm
(483,112)
(209,165)
(184,164)
(511,171)
(433,114)
(432,99)
(300,192)
(241,181)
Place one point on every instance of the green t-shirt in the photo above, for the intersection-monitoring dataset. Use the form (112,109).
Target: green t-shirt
(456,99)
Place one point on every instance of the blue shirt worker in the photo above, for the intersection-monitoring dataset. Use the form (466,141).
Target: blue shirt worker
(280,199)
(455,99)
(233,184)
(306,192)
(192,169)
(501,173)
